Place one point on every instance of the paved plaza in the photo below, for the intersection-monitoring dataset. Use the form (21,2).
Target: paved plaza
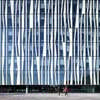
(41,96)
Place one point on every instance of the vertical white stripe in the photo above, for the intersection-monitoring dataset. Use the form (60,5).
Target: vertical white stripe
(36,5)
(52,46)
(31,26)
(87,28)
(3,49)
(38,58)
(12,55)
(64,44)
(83,12)
(95,43)
(77,15)
(83,7)
(71,44)
(77,26)
(35,27)
(22,41)
(6,40)
(76,29)
(29,81)
(62,34)
(44,54)
(44,48)
(31,14)
(18,56)
(97,17)
(55,30)
(38,68)
(68,30)
(26,45)
(58,46)
(0,47)
(48,44)
(64,54)
(90,58)
(74,58)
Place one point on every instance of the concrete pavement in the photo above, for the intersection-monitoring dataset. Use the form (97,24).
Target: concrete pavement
(49,96)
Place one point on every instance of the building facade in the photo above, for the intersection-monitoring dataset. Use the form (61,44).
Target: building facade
(49,42)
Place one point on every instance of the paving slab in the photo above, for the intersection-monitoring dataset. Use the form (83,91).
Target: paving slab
(49,96)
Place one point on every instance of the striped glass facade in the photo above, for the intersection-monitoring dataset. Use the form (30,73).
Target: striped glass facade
(49,42)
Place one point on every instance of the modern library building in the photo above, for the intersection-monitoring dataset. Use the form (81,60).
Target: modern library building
(49,43)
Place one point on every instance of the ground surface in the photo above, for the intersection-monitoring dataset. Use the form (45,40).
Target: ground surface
(39,96)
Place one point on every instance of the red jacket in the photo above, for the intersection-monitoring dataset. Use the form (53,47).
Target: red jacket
(65,89)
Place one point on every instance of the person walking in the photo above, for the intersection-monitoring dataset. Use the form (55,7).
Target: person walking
(59,90)
(66,89)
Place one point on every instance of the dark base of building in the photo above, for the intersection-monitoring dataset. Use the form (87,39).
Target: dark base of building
(49,89)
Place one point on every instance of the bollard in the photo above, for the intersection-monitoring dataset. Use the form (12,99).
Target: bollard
(26,89)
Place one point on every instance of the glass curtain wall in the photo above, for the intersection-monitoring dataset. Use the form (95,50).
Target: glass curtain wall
(49,42)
